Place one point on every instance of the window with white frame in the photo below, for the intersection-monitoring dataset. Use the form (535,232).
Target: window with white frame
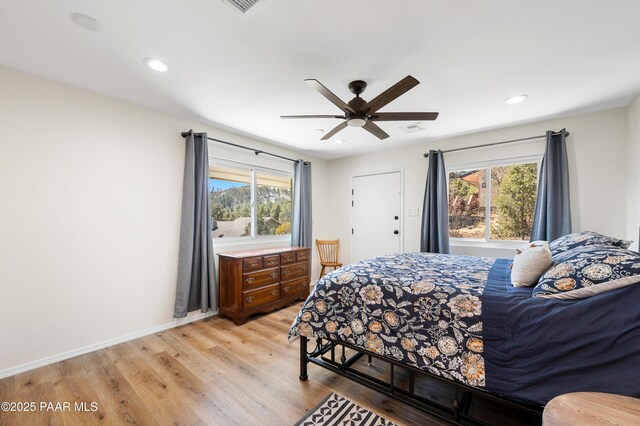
(248,201)
(493,201)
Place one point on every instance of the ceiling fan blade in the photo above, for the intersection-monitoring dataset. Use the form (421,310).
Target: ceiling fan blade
(373,128)
(334,130)
(329,95)
(404,116)
(392,93)
(312,116)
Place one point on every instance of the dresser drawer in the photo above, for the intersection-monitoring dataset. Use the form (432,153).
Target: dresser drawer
(260,279)
(297,270)
(252,263)
(256,298)
(286,258)
(302,256)
(271,261)
(297,287)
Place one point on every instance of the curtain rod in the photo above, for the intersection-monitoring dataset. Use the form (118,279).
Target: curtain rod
(566,134)
(255,151)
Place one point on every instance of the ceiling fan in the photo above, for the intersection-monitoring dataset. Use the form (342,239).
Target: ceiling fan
(360,113)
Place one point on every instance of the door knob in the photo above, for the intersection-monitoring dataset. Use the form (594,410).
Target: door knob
(396,232)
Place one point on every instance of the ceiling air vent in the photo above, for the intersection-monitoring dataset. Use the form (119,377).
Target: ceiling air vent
(241,6)
(411,128)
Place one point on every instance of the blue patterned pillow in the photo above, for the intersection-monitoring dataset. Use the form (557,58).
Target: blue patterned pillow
(586,271)
(586,238)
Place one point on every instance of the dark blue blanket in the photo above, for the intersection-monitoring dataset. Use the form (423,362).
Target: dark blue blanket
(536,349)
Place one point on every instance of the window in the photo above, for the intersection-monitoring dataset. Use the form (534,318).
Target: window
(249,202)
(273,200)
(493,201)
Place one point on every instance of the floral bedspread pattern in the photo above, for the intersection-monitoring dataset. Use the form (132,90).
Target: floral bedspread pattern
(422,309)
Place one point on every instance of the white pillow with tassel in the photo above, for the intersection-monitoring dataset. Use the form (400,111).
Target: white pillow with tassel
(530,263)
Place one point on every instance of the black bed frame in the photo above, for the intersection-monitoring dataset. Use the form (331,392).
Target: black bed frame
(457,412)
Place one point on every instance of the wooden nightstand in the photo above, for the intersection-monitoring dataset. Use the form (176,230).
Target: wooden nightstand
(592,408)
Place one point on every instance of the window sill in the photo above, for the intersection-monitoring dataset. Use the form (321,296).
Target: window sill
(488,244)
(260,241)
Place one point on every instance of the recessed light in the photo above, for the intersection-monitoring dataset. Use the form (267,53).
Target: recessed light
(339,141)
(515,99)
(86,22)
(156,64)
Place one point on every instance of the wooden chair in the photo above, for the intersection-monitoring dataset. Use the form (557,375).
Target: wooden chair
(329,251)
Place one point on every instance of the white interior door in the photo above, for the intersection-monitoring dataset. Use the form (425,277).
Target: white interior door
(376,215)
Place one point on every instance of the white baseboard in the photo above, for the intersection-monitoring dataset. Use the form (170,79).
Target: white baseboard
(105,344)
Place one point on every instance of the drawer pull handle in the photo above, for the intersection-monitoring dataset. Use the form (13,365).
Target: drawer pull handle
(250,280)
(274,274)
(302,284)
(304,268)
(250,299)
(286,289)
(253,264)
(274,292)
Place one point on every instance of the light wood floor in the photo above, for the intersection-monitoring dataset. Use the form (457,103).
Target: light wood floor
(206,372)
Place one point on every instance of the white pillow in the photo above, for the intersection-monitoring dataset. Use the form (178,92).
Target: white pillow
(530,263)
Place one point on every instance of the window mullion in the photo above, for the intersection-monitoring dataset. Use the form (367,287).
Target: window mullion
(487,202)
(254,203)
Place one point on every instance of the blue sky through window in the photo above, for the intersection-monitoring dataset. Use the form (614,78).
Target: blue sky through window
(224,184)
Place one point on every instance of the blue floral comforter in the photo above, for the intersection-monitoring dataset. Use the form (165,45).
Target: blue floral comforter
(419,308)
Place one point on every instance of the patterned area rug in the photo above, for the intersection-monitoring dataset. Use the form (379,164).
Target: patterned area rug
(338,410)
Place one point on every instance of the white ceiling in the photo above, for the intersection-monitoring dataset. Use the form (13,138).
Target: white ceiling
(243,72)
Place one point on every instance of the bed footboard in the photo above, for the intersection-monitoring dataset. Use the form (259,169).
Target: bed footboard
(334,357)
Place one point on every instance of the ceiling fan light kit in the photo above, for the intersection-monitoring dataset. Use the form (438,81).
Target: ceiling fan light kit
(356,122)
(360,113)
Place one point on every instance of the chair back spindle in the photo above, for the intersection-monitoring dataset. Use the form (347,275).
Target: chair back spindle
(329,253)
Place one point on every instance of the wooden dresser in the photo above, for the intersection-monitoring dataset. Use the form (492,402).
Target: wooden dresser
(262,280)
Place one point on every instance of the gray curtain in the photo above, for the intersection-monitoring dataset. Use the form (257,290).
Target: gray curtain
(552,217)
(435,211)
(301,221)
(196,286)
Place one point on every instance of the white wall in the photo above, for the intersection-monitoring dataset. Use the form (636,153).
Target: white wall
(90,214)
(633,172)
(597,149)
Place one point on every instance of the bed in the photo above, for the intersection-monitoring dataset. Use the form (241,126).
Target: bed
(459,319)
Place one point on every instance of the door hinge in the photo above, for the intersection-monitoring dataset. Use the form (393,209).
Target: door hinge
(352,192)
(351,231)
(351,203)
